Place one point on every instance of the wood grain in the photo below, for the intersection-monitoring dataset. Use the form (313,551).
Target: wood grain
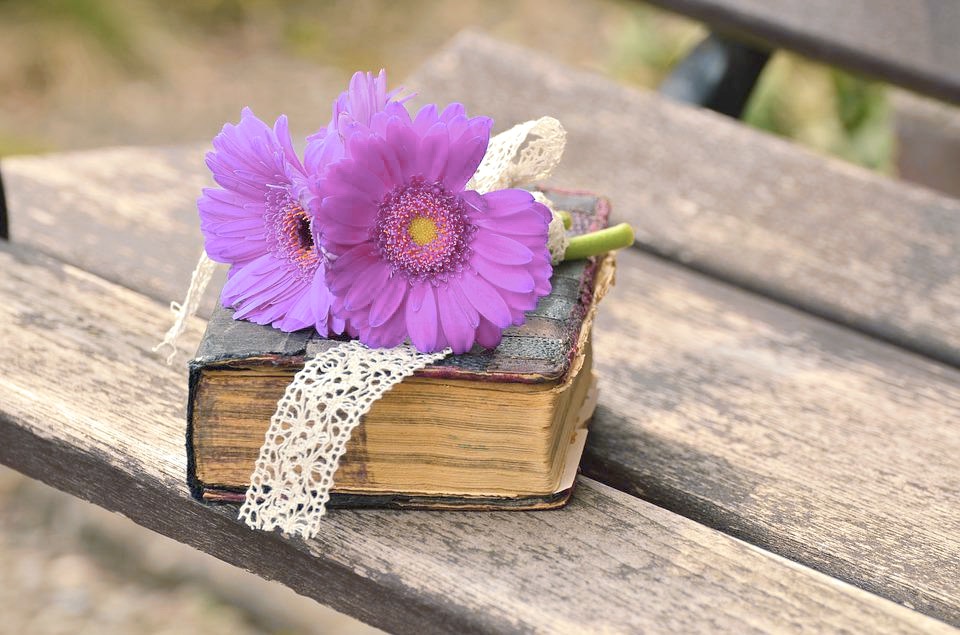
(816,233)
(819,444)
(913,44)
(87,408)
(126,214)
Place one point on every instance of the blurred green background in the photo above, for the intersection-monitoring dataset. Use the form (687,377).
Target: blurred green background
(82,73)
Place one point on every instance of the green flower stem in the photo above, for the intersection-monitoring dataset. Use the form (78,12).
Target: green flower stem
(599,242)
(566,218)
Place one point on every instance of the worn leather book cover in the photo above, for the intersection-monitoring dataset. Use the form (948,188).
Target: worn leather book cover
(488,429)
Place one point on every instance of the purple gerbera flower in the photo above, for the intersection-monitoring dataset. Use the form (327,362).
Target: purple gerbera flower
(259,219)
(256,222)
(415,255)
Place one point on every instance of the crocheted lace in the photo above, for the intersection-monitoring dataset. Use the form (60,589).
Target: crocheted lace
(308,433)
(182,312)
(524,154)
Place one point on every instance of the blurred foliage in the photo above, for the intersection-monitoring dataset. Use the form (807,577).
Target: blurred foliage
(822,108)
(106,23)
(825,109)
(648,44)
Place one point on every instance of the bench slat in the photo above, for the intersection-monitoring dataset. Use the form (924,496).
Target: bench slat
(88,409)
(913,44)
(831,238)
(817,443)
(128,215)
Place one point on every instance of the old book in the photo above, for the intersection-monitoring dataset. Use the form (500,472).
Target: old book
(501,428)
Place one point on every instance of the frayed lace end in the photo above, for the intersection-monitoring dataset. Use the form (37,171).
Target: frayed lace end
(183,311)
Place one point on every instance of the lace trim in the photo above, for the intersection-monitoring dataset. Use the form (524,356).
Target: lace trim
(308,433)
(182,312)
(524,154)
(557,239)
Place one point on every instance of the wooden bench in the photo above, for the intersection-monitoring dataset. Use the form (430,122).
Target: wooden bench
(912,44)
(775,447)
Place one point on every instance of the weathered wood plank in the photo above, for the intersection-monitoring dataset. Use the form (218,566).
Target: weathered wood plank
(125,214)
(87,408)
(913,44)
(833,239)
(792,433)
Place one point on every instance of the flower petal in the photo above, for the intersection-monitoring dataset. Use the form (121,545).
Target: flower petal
(365,181)
(359,256)
(421,317)
(519,224)
(391,333)
(507,202)
(345,235)
(465,157)
(281,131)
(485,299)
(262,291)
(456,329)
(489,334)
(340,279)
(388,300)
(299,316)
(507,277)
(405,144)
(434,155)
(501,249)
(426,117)
(365,286)
(453,110)
(349,209)
(456,294)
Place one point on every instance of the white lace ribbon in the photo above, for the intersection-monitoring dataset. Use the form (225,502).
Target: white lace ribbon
(524,154)
(309,432)
(182,312)
(319,410)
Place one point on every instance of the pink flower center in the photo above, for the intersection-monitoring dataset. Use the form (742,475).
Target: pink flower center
(288,229)
(423,232)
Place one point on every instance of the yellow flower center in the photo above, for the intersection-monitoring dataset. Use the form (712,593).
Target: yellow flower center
(422,230)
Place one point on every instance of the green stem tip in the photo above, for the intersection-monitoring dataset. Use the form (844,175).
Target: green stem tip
(566,218)
(599,242)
